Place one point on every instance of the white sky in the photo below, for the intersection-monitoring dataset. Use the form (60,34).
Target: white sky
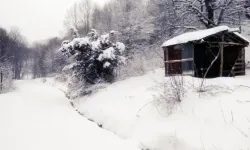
(36,19)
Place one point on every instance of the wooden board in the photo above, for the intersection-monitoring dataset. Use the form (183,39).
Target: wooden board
(174,54)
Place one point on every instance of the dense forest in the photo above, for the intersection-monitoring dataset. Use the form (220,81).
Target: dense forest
(142,25)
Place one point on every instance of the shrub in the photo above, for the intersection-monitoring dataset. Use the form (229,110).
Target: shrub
(95,57)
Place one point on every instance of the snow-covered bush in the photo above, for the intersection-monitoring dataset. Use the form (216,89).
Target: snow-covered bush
(143,60)
(170,93)
(95,57)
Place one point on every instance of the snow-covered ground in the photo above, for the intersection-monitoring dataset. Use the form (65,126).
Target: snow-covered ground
(216,119)
(37,116)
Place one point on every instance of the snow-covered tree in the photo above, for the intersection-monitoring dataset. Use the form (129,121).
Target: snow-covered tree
(79,16)
(96,57)
(177,16)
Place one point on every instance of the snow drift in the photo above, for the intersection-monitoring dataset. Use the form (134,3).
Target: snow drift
(216,119)
(37,116)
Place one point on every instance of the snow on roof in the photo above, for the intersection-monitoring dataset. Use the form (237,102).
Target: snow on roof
(242,37)
(198,35)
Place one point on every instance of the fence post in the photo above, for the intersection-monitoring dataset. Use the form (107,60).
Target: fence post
(1,81)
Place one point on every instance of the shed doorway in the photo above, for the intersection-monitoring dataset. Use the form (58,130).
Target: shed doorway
(204,54)
(174,67)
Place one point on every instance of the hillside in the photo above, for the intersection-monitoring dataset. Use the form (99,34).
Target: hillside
(218,118)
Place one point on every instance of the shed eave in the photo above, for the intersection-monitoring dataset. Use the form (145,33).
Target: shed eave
(202,34)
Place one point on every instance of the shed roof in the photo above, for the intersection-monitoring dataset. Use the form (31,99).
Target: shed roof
(198,35)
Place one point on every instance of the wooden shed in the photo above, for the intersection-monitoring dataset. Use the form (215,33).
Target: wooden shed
(218,51)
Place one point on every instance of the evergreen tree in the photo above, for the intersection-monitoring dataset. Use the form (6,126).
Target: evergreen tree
(96,57)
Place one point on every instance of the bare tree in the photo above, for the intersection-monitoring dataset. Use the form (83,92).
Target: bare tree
(13,54)
(79,16)
(46,59)
(85,8)
(212,13)
(20,52)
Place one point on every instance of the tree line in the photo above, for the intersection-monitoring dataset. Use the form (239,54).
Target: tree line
(13,52)
(147,21)
(18,60)
(142,25)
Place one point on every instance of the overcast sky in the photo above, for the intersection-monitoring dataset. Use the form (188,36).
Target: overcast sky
(36,19)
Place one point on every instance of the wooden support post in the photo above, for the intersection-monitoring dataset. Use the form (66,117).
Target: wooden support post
(166,59)
(221,55)
(1,81)
(243,52)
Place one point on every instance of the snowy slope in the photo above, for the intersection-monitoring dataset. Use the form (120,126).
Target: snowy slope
(37,116)
(246,33)
(217,119)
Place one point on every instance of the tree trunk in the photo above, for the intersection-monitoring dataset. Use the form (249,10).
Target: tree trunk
(210,12)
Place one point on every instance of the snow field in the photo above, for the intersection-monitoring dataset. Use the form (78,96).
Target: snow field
(216,119)
(37,116)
